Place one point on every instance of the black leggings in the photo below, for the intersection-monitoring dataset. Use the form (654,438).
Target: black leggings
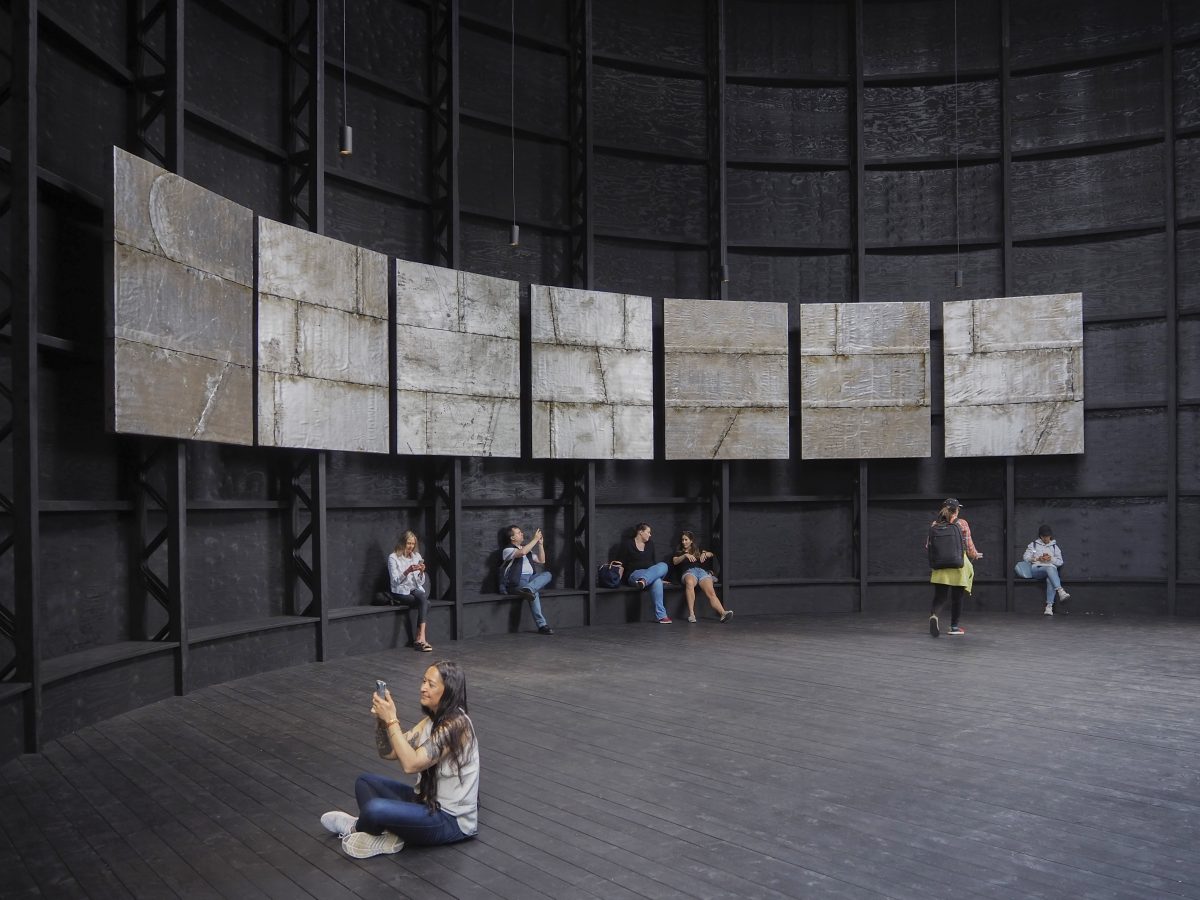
(955,594)
(418,598)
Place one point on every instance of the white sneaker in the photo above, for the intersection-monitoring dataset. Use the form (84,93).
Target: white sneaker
(338,822)
(361,845)
(1062,594)
(1048,611)
(692,619)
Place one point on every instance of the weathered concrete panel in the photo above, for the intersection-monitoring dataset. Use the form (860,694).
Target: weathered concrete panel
(458,347)
(316,413)
(592,431)
(183,395)
(441,361)
(863,380)
(305,266)
(1014,376)
(725,327)
(180,308)
(726,379)
(451,425)
(1012,429)
(865,385)
(726,433)
(1013,323)
(593,375)
(862,328)
(854,433)
(580,318)
(323,339)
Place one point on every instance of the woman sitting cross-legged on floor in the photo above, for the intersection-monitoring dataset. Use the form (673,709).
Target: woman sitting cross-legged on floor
(692,567)
(643,571)
(442,748)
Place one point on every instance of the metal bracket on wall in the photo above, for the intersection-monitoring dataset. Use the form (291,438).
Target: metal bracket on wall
(306,113)
(582,510)
(158,82)
(444,501)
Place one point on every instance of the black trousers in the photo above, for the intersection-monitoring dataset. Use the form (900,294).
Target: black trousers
(944,592)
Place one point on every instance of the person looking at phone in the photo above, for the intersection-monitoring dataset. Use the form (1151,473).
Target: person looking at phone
(406,577)
(522,572)
(442,750)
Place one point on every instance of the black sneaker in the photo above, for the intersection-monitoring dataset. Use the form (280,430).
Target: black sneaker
(934,631)
(545,629)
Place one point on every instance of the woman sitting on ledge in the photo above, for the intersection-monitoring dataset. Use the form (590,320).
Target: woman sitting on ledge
(406,577)
(642,571)
(693,566)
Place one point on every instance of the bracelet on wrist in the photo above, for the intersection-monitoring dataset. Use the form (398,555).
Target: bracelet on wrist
(395,722)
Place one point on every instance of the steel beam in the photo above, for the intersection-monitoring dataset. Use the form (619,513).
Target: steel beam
(158,82)
(306,113)
(582,510)
(444,131)
(27,581)
(718,516)
(1007,266)
(444,500)
(307,505)
(862,512)
(714,110)
(1172,298)
(579,138)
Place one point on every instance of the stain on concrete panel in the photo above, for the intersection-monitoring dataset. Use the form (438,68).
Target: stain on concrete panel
(726,379)
(865,383)
(1014,376)
(592,375)
(180,308)
(458,347)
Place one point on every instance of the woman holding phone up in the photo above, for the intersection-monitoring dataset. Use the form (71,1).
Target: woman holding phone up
(441,750)
(406,577)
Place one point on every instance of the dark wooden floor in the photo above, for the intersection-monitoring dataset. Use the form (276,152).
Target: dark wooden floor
(798,757)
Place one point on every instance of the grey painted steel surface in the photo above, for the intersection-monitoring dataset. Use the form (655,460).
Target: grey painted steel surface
(181,310)
(726,379)
(322,342)
(458,362)
(1014,376)
(592,379)
(865,386)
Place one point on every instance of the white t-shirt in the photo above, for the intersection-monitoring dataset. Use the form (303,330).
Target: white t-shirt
(457,792)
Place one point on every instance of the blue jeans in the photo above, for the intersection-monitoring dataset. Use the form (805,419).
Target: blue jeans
(653,577)
(1053,582)
(418,598)
(388,805)
(533,584)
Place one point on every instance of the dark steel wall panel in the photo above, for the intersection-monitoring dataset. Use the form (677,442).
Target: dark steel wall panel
(541,258)
(798,208)
(782,38)
(639,267)
(1047,33)
(811,540)
(664,31)
(539,89)
(1114,440)
(235,566)
(901,277)
(486,177)
(787,123)
(917,37)
(776,275)
(1124,363)
(917,205)
(917,122)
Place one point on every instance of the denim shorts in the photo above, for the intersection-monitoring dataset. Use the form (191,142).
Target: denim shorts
(698,573)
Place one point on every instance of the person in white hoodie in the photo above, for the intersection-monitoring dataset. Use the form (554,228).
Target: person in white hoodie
(1044,558)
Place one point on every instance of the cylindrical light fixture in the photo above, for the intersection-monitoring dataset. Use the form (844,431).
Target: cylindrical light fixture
(958,278)
(346,141)
(514,235)
(724,274)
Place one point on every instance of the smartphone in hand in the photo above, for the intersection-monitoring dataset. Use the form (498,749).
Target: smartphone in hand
(380,687)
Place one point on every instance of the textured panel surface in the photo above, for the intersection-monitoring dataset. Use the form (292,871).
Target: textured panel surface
(593,374)
(726,375)
(864,375)
(458,362)
(181,311)
(322,342)
(1014,376)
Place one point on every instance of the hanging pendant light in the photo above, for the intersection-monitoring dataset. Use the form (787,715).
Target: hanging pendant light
(346,134)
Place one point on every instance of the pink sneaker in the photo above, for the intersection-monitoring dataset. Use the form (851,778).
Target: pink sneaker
(665,620)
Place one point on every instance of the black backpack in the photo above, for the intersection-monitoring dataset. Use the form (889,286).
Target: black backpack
(945,546)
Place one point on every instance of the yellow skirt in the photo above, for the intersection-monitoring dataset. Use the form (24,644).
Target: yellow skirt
(963,578)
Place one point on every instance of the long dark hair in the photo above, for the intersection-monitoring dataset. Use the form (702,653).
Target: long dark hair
(691,537)
(449,728)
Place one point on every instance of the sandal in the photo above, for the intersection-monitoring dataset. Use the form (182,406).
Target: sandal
(422,646)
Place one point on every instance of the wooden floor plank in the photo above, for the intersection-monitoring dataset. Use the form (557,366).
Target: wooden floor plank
(842,756)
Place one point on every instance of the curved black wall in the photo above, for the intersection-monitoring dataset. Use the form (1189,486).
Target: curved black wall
(808,146)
